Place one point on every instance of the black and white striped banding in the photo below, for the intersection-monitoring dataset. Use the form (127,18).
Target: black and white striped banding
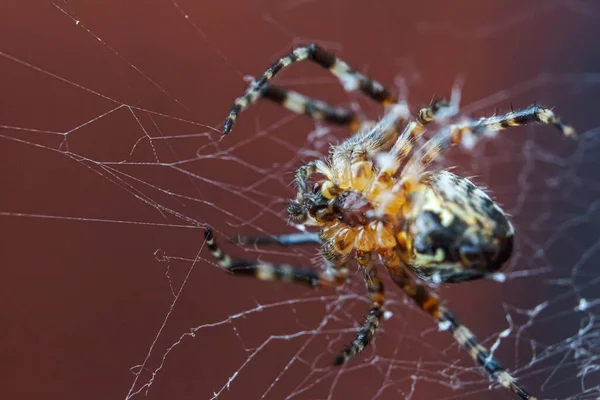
(428,302)
(467,132)
(222,259)
(482,355)
(349,78)
(315,109)
(363,338)
(377,296)
(268,271)
(525,116)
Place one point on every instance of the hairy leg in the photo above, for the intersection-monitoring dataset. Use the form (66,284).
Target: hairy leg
(377,296)
(469,130)
(273,272)
(316,109)
(412,132)
(349,78)
(429,302)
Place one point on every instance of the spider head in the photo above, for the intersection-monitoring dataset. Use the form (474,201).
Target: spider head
(321,204)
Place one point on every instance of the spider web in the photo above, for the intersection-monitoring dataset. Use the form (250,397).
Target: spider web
(113,163)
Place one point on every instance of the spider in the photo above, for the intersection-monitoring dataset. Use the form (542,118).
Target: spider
(377,196)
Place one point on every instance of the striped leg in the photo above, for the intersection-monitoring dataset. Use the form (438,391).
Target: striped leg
(525,116)
(468,131)
(305,172)
(315,109)
(428,302)
(464,337)
(272,272)
(350,79)
(377,295)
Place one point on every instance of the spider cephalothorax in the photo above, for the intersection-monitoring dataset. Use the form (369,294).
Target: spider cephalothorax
(374,195)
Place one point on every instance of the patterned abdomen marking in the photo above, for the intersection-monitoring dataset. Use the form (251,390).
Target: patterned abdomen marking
(456,232)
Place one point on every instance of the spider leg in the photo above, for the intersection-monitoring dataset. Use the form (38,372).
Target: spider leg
(467,131)
(524,116)
(429,114)
(304,173)
(349,78)
(273,272)
(291,239)
(429,302)
(377,295)
(296,208)
(316,109)
(354,158)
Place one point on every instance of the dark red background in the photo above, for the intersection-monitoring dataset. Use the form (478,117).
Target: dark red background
(91,269)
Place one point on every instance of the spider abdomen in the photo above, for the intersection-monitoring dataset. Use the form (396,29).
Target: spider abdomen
(454,231)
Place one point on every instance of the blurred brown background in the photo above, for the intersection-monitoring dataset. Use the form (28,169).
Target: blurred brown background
(112,162)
